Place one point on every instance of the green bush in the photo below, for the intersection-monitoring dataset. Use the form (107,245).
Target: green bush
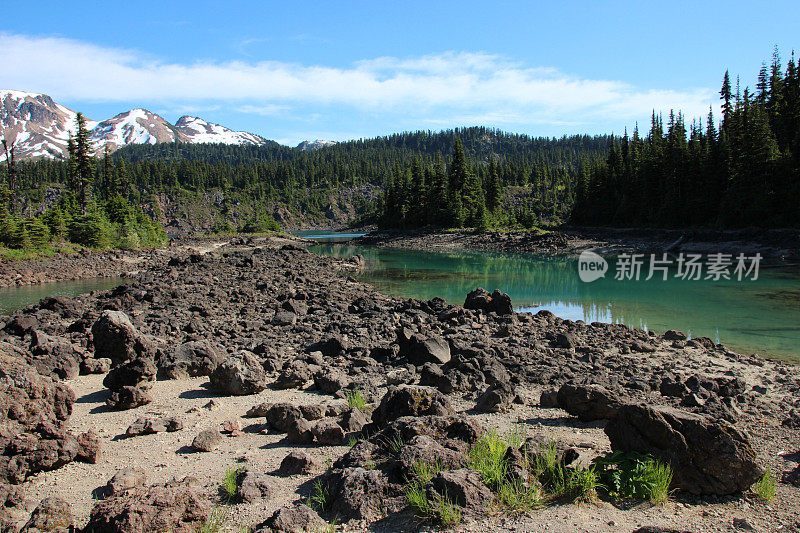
(38,232)
(90,230)
(260,223)
(633,475)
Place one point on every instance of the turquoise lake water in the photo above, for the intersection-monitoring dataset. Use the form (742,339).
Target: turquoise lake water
(761,316)
(14,298)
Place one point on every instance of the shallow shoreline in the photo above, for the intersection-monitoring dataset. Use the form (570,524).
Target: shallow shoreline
(234,297)
(773,245)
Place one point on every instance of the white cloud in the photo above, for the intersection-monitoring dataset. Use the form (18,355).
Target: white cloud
(433,88)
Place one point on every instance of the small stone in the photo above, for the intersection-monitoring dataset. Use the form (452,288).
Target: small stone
(207,440)
(296,463)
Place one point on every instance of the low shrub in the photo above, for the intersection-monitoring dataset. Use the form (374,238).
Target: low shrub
(634,475)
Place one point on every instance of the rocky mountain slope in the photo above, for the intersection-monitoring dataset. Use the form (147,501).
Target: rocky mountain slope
(36,126)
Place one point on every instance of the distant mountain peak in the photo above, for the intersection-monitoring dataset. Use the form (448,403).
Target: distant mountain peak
(315,145)
(36,126)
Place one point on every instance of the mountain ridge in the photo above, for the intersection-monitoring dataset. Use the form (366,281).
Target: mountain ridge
(37,126)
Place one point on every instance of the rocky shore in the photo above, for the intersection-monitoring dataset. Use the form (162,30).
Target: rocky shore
(225,390)
(773,245)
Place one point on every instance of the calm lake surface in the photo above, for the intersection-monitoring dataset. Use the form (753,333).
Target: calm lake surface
(14,298)
(761,316)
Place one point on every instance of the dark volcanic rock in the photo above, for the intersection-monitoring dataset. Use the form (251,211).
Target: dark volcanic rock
(358,494)
(190,359)
(239,375)
(410,401)
(115,337)
(419,349)
(707,456)
(177,507)
(207,440)
(281,416)
(128,398)
(430,451)
(35,408)
(587,402)
(296,462)
(254,487)
(328,432)
(51,515)
(496,398)
(497,301)
(127,478)
(134,373)
(54,356)
(292,518)
(463,487)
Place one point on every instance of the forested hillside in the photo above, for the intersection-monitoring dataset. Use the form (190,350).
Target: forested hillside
(744,171)
(259,178)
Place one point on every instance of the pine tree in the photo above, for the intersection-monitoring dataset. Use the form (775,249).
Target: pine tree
(83,165)
(725,93)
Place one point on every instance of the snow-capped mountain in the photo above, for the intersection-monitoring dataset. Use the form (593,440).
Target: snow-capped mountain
(138,126)
(36,126)
(314,145)
(198,130)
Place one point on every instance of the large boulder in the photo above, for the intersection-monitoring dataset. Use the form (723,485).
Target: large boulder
(357,493)
(177,507)
(126,398)
(138,372)
(587,402)
(420,349)
(115,337)
(33,435)
(292,518)
(707,456)
(410,401)
(463,487)
(52,515)
(239,375)
(480,298)
(190,359)
(54,356)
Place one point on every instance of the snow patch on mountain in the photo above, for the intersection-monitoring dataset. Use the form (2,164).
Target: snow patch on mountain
(315,145)
(198,130)
(36,126)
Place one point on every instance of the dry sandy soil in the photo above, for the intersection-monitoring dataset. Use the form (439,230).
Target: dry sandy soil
(168,455)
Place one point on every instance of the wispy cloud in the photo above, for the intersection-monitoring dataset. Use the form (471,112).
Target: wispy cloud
(434,88)
(267,110)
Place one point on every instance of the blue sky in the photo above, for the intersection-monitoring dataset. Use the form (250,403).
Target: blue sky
(338,70)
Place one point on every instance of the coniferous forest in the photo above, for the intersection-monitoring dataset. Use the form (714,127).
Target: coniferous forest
(742,171)
(739,169)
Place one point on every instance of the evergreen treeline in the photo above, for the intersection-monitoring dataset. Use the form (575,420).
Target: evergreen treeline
(743,172)
(94,212)
(305,180)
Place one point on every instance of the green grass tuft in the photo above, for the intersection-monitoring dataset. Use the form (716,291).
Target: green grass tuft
(230,483)
(487,457)
(442,509)
(214,522)
(765,487)
(320,498)
(356,400)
